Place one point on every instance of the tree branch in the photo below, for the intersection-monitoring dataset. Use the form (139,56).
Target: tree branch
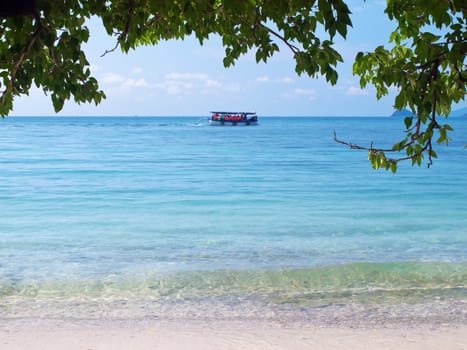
(11,84)
(293,48)
(381,151)
(122,35)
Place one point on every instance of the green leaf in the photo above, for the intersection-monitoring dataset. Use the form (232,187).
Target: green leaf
(408,122)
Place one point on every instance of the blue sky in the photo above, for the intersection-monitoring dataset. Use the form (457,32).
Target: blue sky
(184,78)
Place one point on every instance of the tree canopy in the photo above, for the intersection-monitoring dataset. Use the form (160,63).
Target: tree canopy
(41,44)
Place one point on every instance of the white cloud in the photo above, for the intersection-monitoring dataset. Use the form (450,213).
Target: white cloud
(286,80)
(123,86)
(174,87)
(137,70)
(212,83)
(173,84)
(135,83)
(176,83)
(186,76)
(309,94)
(356,91)
(262,79)
(112,78)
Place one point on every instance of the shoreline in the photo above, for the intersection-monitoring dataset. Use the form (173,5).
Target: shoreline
(228,334)
(348,310)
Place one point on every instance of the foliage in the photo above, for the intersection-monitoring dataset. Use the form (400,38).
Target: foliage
(46,49)
(426,62)
(427,66)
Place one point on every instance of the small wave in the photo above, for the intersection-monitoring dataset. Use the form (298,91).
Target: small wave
(354,293)
(330,282)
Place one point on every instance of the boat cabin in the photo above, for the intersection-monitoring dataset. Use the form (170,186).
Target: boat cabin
(233,118)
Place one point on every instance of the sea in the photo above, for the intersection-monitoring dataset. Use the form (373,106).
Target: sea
(171,219)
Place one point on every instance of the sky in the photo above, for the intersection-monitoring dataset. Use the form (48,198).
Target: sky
(183,78)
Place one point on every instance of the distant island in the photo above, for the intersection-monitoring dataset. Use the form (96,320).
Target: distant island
(402,113)
(459,113)
(407,113)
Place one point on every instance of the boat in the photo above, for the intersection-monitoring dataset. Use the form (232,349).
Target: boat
(233,118)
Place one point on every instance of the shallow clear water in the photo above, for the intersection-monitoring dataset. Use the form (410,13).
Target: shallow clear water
(170,211)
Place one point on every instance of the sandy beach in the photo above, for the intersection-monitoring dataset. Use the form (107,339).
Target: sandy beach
(95,335)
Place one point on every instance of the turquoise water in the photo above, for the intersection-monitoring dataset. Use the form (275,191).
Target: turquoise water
(170,217)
